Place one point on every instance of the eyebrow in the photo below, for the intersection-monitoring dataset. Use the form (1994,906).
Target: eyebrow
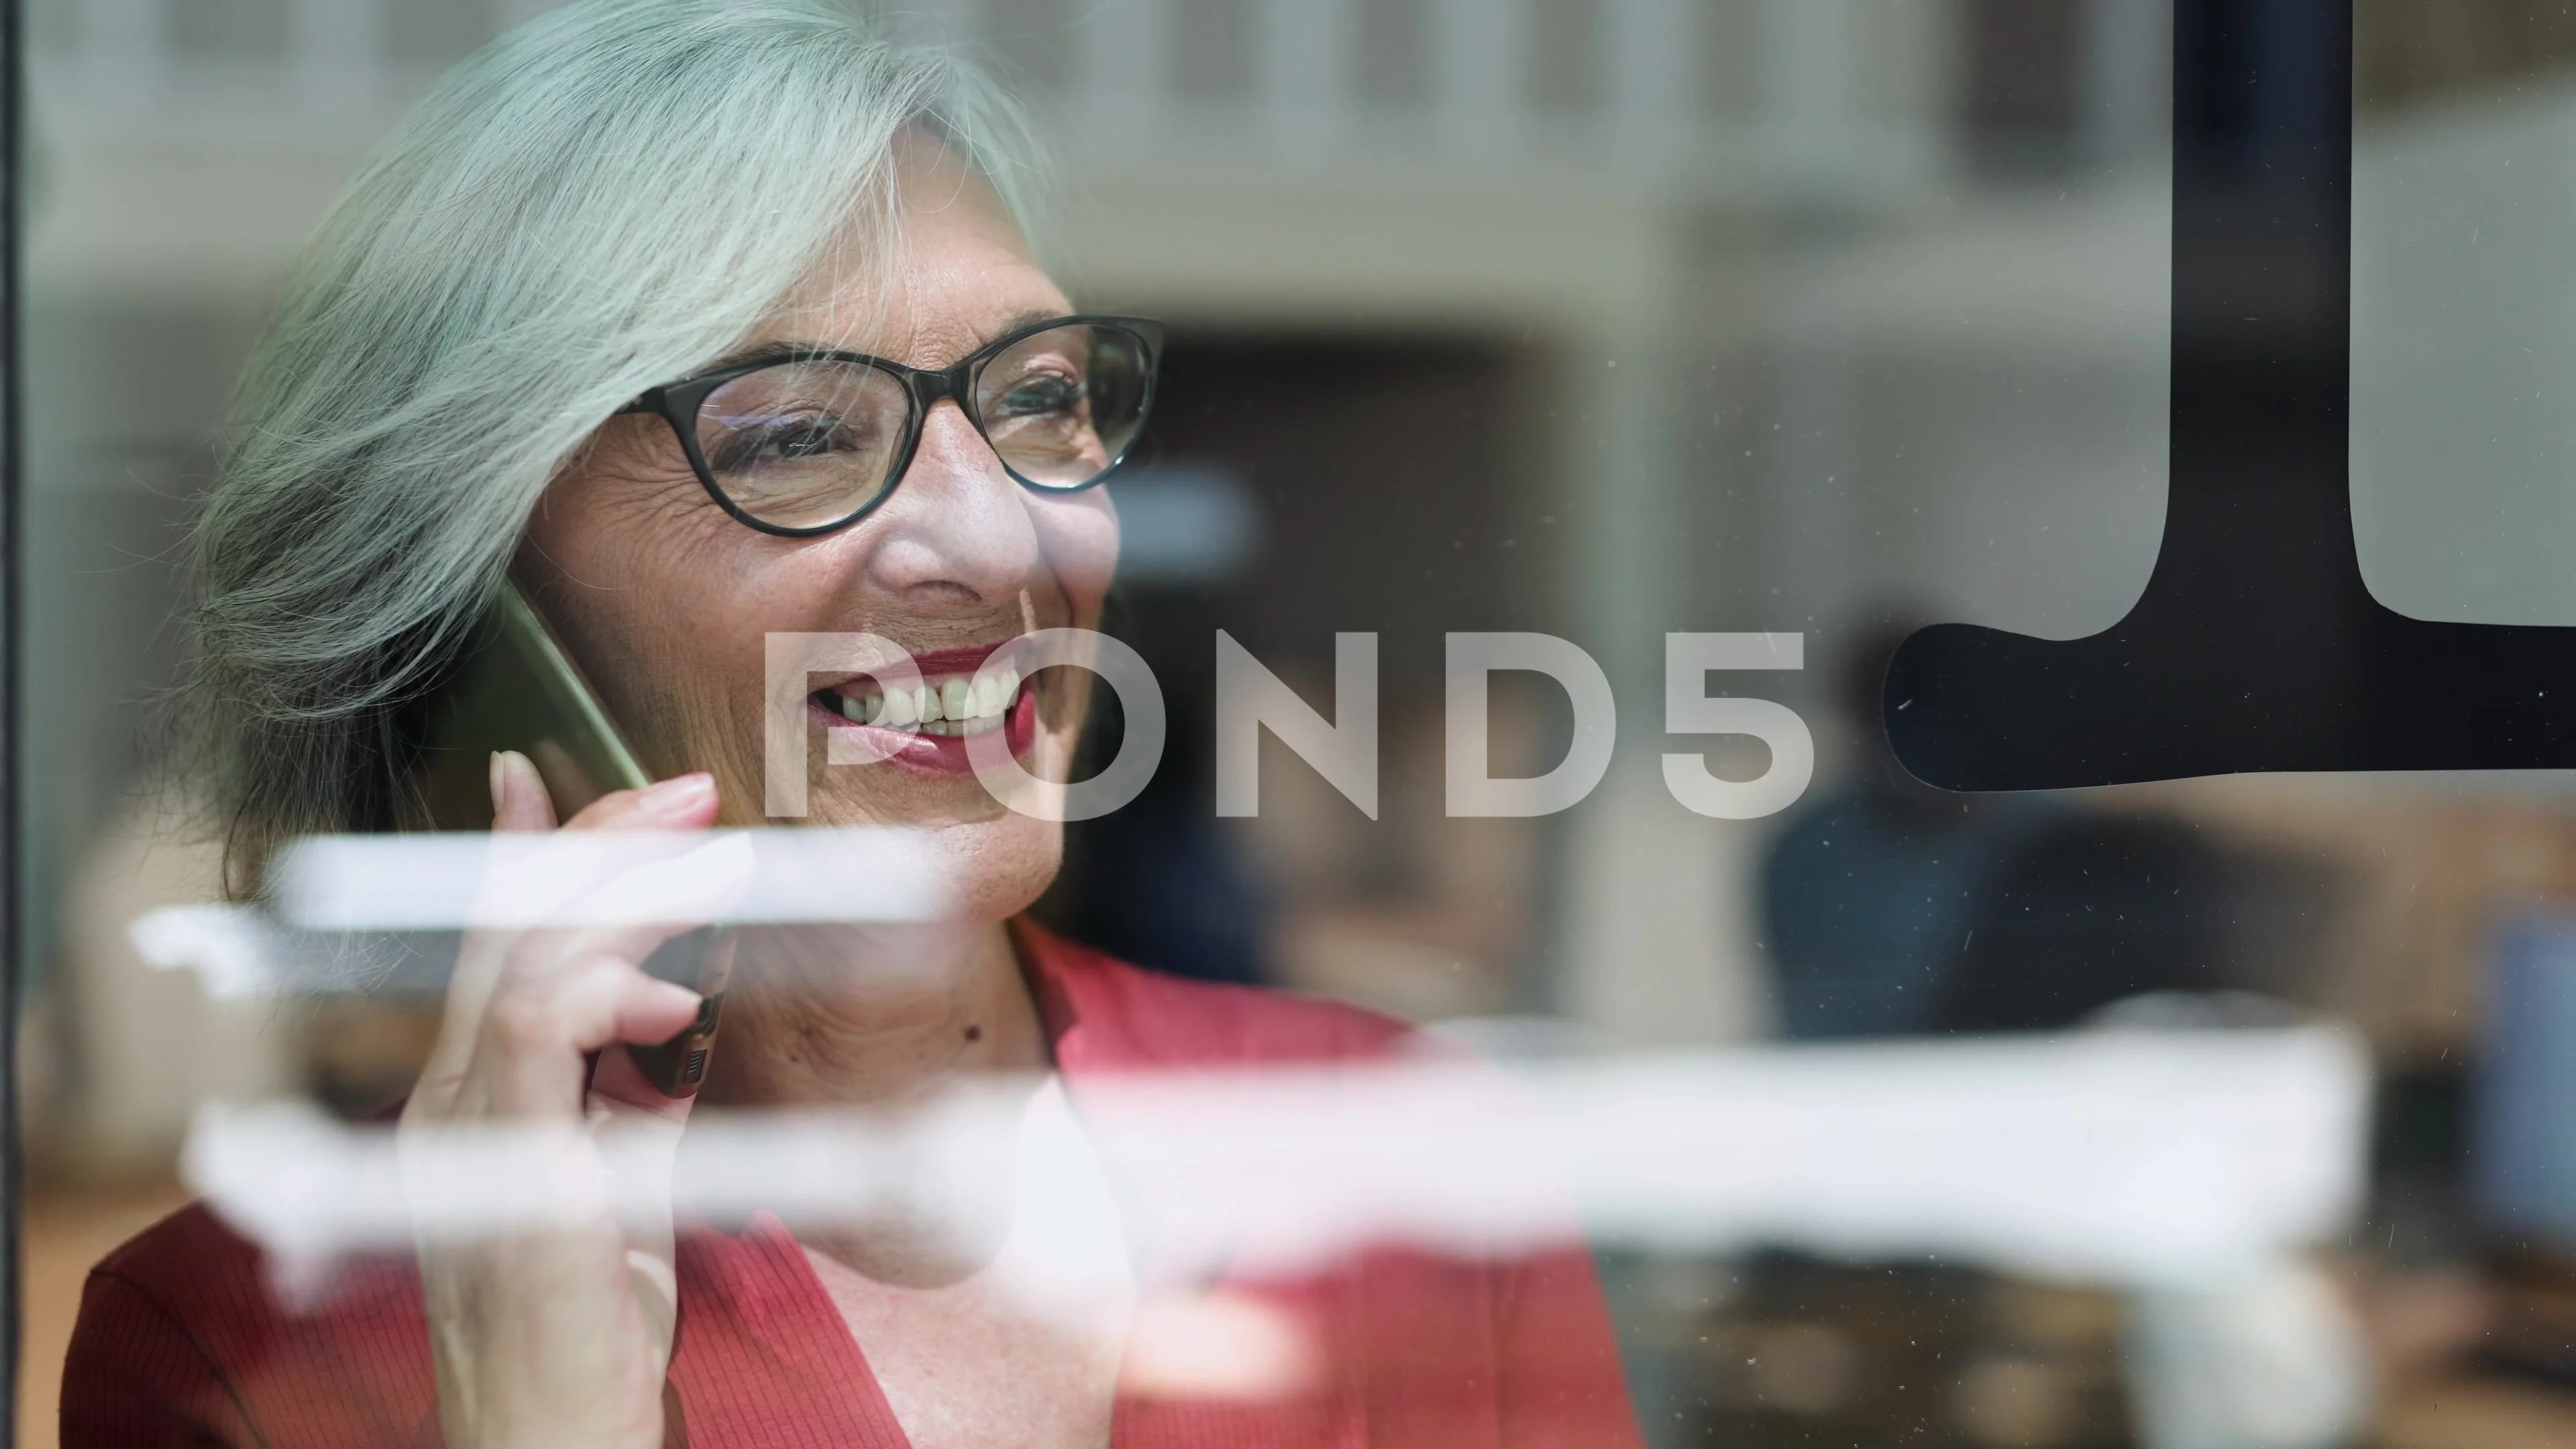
(791,347)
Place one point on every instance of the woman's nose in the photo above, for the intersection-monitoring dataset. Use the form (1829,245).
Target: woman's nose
(956,524)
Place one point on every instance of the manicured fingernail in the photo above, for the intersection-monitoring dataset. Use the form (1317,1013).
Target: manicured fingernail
(519,779)
(678,795)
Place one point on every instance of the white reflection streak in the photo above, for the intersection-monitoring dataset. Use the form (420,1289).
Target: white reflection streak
(386,884)
(232,949)
(446,882)
(2127,1158)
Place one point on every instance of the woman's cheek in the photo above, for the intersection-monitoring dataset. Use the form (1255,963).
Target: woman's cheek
(1079,536)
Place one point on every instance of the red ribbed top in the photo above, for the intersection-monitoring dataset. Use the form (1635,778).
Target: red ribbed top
(181,1343)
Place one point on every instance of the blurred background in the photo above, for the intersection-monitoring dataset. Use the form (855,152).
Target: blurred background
(1603,318)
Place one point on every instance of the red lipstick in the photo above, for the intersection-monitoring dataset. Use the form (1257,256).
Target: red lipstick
(918,750)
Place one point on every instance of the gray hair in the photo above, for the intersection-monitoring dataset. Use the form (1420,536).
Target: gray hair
(601,200)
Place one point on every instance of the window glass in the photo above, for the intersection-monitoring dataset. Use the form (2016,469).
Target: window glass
(2457,340)
(1236,677)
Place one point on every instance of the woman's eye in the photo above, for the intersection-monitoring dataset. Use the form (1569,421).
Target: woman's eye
(803,441)
(1039,395)
(786,440)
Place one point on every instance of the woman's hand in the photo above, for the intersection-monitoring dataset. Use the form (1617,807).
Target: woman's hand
(562,1335)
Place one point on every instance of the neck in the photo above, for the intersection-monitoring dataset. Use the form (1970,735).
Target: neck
(870,1015)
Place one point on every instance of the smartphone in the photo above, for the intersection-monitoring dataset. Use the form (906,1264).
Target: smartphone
(519,689)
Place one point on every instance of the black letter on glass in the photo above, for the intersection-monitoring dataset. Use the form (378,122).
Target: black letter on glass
(2256,646)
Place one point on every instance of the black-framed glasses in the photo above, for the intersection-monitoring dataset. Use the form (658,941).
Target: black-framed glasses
(801,443)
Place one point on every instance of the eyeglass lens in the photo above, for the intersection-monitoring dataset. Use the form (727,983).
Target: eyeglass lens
(807,443)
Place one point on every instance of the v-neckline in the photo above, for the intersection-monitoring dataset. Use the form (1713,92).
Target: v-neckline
(761,1279)
(1071,1249)
(823,1393)
(790,1309)
(792,1312)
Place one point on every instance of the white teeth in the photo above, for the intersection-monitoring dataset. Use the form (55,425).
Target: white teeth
(957,706)
(902,710)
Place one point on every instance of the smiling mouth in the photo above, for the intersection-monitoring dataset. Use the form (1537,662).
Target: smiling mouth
(942,705)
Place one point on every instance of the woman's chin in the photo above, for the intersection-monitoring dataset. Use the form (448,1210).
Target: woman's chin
(994,863)
(998,868)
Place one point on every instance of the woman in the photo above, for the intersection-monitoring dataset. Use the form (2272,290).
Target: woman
(570,329)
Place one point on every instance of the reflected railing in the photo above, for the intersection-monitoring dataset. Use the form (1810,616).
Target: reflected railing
(1699,95)
(2139,1157)
(2133,1159)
